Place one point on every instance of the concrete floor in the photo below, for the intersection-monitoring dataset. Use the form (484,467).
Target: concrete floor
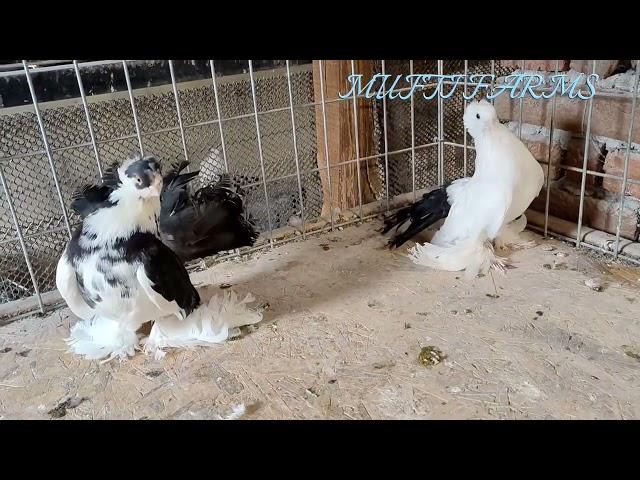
(342,336)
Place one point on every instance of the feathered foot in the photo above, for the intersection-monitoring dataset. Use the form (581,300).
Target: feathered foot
(499,264)
(472,256)
(510,238)
(209,324)
(101,338)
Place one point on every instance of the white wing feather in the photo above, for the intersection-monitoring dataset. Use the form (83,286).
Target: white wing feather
(166,307)
(67,285)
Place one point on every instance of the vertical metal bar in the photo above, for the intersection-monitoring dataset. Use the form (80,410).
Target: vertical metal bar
(23,246)
(440,131)
(326,142)
(548,184)
(295,148)
(493,80)
(464,130)
(626,160)
(357,138)
(584,165)
(175,94)
(264,173)
(133,105)
(386,140)
(47,148)
(413,136)
(88,116)
(215,96)
(521,106)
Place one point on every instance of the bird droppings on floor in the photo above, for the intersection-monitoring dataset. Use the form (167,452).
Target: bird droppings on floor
(633,352)
(537,344)
(430,356)
(61,409)
(594,284)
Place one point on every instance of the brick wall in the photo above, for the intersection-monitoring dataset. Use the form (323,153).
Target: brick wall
(610,122)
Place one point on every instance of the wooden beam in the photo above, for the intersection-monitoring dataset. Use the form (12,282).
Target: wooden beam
(341,136)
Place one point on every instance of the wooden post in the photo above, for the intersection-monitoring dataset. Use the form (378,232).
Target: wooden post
(341,136)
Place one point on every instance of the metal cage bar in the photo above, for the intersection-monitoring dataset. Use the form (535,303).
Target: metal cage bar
(493,81)
(357,140)
(87,114)
(440,131)
(178,112)
(219,116)
(23,245)
(47,147)
(264,174)
(133,106)
(295,148)
(626,161)
(464,130)
(413,135)
(326,141)
(386,138)
(583,185)
(548,182)
(521,105)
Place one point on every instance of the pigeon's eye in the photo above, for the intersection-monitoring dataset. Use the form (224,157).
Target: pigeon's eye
(138,180)
(478,116)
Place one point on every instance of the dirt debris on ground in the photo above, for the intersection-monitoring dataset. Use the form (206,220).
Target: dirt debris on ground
(342,336)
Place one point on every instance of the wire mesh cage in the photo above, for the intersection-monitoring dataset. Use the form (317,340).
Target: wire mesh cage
(266,123)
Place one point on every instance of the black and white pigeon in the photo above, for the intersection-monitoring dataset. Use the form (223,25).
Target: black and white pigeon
(116,274)
(204,223)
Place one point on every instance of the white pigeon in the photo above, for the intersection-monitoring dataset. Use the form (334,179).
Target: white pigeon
(486,208)
(116,274)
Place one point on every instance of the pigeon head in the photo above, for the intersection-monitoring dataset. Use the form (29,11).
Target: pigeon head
(141,177)
(479,116)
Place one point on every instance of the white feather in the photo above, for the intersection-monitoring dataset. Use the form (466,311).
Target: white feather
(67,285)
(208,325)
(471,255)
(129,215)
(236,412)
(510,234)
(100,337)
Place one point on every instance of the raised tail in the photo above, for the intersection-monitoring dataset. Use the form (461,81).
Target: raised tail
(474,255)
(225,197)
(210,221)
(421,215)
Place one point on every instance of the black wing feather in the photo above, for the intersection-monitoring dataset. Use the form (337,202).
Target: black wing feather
(93,197)
(168,274)
(422,214)
(206,223)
